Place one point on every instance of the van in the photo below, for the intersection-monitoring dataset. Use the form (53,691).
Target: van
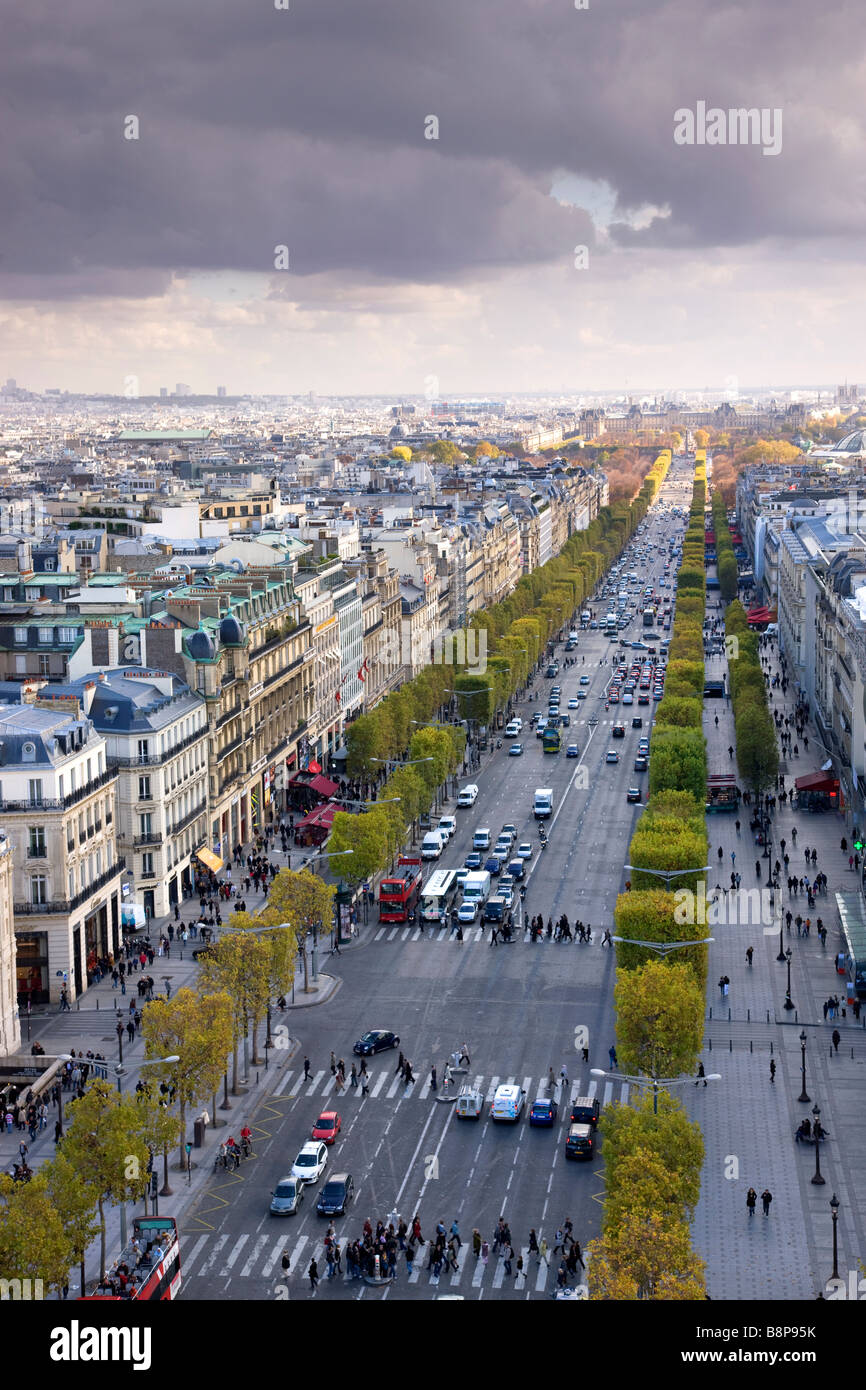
(431,845)
(585,1110)
(580,1143)
(481,838)
(447,825)
(496,910)
(468,795)
(470,1103)
(508,1102)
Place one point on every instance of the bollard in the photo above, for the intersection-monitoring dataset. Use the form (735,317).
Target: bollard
(711,1014)
(257,1078)
(710,1045)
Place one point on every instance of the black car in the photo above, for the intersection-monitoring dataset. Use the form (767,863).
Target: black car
(379,1040)
(336,1195)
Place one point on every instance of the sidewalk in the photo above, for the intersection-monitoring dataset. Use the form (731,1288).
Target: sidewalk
(748,1121)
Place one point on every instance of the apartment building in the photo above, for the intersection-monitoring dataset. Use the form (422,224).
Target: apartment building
(57,796)
(379,588)
(10,1019)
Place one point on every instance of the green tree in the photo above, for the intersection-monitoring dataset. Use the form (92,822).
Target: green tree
(659,1011)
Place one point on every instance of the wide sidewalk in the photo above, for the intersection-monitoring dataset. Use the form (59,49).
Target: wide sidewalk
(748,1121)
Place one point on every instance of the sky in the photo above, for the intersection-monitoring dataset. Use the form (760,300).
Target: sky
(553,236)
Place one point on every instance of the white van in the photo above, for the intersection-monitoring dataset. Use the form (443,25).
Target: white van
(508,1102)
(431,845)
(447,825)
(468,795)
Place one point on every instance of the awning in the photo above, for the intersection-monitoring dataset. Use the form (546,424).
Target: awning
(324,786)
(210,860)
(320,815)
(817,782)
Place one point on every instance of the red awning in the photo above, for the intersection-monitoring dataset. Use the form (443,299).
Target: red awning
(817,782)
(320,815)
(324,786)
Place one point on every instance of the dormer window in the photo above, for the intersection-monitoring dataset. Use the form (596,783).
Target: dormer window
(28,752)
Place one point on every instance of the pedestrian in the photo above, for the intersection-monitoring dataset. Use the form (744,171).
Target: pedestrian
(313,1273)
(286,1264)
(400,1062)
(542,1251)
(702,1075)
(563,1077)
(333,1064)
(751,1201)
(306,1068)
(772,1069)
(533,1244)
(612,1055)
(766,1199)
(432,1078)
(836,1038)
(750,951)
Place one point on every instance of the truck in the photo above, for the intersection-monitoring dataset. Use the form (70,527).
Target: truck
(398,896)
(542,806)
(476,887)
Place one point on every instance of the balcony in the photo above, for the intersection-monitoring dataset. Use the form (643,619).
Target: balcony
(67,905)
(188,818)
(230,747)
(153,837)
(41,804)
(156,759)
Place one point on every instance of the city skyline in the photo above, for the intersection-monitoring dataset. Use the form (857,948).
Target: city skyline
(551,235)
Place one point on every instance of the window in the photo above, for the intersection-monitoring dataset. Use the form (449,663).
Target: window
(70,882)
(144,789)
(35,789)
(38,889)
(60,786)
(44,665)
(67,634)
(28,752)
(89,773)
(99,863)
(146,824)
(21,665)
(109,853)
(37,841)
(46,635)
(147,865)
(49,566)
(144,747)
(21,636)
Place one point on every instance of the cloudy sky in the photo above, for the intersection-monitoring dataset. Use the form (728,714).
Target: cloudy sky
(415,264)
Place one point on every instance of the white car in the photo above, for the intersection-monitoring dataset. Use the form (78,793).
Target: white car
(524,851)
(572,704)
(310,1163)
(505,890)
(447,824)
(468,795)
(468,910)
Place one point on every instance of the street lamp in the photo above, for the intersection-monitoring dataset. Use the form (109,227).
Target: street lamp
(120,1071)
(803,1096)
(817,1177)
(666,874)
(789,1003)
(834,1209)
(662,947)
(657,1083)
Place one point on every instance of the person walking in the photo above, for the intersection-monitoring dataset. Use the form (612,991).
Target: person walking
(542,1251)
(750,951)
(286,1264)
(611,1052)
(766,1199)
(533,1245)
(772,1069)
(702,1075)
(751,1201)
(306,1069)
(836,1038)
(313,1274)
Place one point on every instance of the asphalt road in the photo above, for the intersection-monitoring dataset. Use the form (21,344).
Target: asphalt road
(520,1008)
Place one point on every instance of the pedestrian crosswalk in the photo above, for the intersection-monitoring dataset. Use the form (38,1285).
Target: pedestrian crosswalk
(220,1257)
(388,1085)
(471,935)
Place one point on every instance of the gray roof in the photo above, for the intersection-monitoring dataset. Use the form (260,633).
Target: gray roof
(50,735)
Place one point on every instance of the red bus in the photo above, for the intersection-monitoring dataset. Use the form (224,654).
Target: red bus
(150,1263)
(398,896)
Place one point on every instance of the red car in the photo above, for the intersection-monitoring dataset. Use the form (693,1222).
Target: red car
(327,1127)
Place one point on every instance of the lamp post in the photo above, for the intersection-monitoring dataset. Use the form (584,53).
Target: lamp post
(120,1071)
(662,947)
(781,956)
(654,1083)
(789,1003)
(834,1210)
(817,1178)
(803,1096)
(667,874)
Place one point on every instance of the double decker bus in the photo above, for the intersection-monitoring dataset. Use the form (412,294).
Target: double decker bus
(149,1264)
(438,895)
(398,895)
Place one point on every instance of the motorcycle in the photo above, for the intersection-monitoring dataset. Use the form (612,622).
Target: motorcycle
(499,743)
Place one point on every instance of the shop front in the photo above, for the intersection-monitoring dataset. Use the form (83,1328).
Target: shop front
(31,968)
(96,940)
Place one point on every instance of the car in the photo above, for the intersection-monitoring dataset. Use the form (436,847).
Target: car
(470,1103)
(336,1194)
(310,1163)
(584,680)
(508,1101)
(556,690)
(286,1197)
(585,1110)
(572,704)
(641,762)
(468,795)
(613,695)
(493,865)
(524,850)
(572,751)
(612,756)
(540,728)
(502,848)
(543,1113)
(517,868)
(481,838)
(447,825)
(506,891)
(512,728)
(472,862)
(628,698)
(618,731)
(377,1040)
(633,795)
(327,1127)
(518,722)
(508,829)
(643,745)
(581,694)
(468,910)
(516,750)
(643,699)
(593,624)
(639,647)
(637,722)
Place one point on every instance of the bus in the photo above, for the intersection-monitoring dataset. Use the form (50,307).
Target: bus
(853,918)
(438,894)
(551,742)
(649,617)
(152,1258)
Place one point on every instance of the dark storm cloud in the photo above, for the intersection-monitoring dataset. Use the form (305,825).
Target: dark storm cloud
(306,127)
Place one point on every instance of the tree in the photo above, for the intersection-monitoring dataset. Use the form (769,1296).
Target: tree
(368,836)
(486,450)
(645,1257)
(650,915)
(401,451)
(659,1010)
(34,1241)
(197,1029)
(446,452)
(670,1136)
(104,1144)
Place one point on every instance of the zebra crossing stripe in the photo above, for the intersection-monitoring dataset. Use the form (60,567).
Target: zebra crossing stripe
(457,1274)
(608,1093)
(499,1273)
(425,1090)
(274,1256)
(541,1277)
(527,1082)
(283,1083)
(315,1082)
(213,1256)
(591,1089)
(242,1240)
(190,1256)
(491,1090)
(442,935)
(379,1083)
(417,1266)
(479,1272)
(415,935)
(257,1250)
(394,1087)
(379,934)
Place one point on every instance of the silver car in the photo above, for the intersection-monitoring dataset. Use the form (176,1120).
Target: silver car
(286,1197)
